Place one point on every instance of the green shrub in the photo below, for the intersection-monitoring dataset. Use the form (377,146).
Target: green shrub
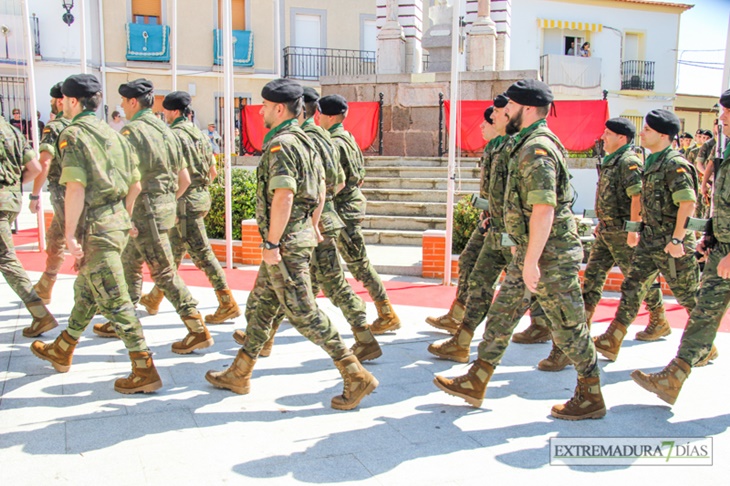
(466,218)
(243,202)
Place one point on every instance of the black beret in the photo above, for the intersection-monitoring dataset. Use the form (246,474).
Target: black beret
(621,126)
(56,91)
(725,99)
(488,115)
(501,101)
(708,133)
(530,92)
(282,90)
(136,88)
(686,135)
(81,86)
(177,100)
(310,95)
(664,121)
(332,105)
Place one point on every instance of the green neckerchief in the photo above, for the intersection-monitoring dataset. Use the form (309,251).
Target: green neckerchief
(495,141)
(726,153)
(141,112)
(84,113)
(529,129)
(59,115)
(308,121)
(177,120)
(608,158)
(278,128)
(654,157)
(335,127)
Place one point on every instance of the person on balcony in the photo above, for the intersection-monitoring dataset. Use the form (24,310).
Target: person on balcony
(585,50)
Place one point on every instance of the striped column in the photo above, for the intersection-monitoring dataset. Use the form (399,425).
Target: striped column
(501,14)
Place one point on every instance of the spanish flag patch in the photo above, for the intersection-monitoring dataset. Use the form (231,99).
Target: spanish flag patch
(46,130)
(125,132)
(681,170)
(633,167)
(275,149)
(540,152)
(63,144)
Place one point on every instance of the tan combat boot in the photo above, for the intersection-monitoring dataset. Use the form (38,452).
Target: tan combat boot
(227,308)
(236,377)
(199,339)
(105,330)
(366,347)
(609,343)
(151,302)
(454,349)
(713,355)
(587,401)
(472,386)
(42,320)
(658,327)
(590,311)
(44,287)
(59,352)
(667,383)
(534,334)
(144,377)
(359,383)
(450,321)
(387,319)
(556,360)
(240,337)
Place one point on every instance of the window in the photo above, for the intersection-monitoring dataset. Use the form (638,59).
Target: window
(147,11)
(634,117)
(369,35)
(572,44)
(634,47)
(238,14)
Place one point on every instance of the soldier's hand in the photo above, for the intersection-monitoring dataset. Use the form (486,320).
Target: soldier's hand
(74,248)
(675,251)
(632,239)
(702,247)
(318,235)
(723,268)
(705,190)
(531,276)
(33,206)
(133,231)
(272,257)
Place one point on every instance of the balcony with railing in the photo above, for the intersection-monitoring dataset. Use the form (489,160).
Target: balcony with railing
(311,63)
(148,42)
(637,75)
(242,48)
(572,74)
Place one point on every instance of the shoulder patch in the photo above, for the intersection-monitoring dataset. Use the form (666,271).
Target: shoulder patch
(633,167)
(46,130)
(681,170)
(540,152)
(63,144)
(126,132)
(275,149)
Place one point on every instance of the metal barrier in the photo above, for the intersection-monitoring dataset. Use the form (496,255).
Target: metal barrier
(311,63)
(637,75)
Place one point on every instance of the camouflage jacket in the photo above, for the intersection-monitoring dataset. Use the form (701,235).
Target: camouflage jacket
(721,201)
(350,202)
(15,152)
(668,180)
(495,173)
(333,174)
(289,161)
(198,155)
(538,175)
(160,160)
(706,152)
(49,139)
(618,182)
(99,158)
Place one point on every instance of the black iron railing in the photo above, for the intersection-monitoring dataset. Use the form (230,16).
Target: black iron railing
(637,75)
(315,62)
(35,27)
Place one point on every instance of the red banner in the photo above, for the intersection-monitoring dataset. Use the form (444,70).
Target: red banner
(362,122)
(578,124)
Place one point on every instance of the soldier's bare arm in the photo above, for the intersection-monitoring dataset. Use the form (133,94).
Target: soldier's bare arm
(541,222)
(74,206)
(318,213)
(31,169)
(183,182)
(633,238)
(45,161)
(280,212)
(212,172)
(686,210)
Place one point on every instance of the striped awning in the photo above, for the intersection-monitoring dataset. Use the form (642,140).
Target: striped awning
(569,24)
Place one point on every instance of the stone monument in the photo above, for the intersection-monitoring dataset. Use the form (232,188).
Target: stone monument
(437,40)
(391,43)
(482,40)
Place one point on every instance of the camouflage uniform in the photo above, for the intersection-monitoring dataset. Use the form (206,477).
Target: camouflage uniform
(93,154)
(619,181)
(55,237)
(538,175)
(155,209)
(668,180)
(14,154)
(290,161)
(706,153)
(713,296)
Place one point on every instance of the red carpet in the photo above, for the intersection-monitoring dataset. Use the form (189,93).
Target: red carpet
(400,293)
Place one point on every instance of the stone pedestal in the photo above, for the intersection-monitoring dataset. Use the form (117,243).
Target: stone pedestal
(437,40)
(482,45)
(391,49)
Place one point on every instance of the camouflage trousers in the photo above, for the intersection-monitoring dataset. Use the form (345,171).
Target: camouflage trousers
(55,237)
(101,286)
(289,285)
(190,235)
(712,303)
(351,246)
(10,266)
(610,249)
(650,260)
(156,252)
(559,295)
(483,279)
(327,273)
(467,259)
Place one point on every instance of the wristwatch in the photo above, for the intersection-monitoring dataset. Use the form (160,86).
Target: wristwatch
(270,246)
(677,241)
(34,198)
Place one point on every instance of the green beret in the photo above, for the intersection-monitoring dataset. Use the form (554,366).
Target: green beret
(332,105)
(136,88)
(530,92)
(177,100)
(282,90)
(81,86)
